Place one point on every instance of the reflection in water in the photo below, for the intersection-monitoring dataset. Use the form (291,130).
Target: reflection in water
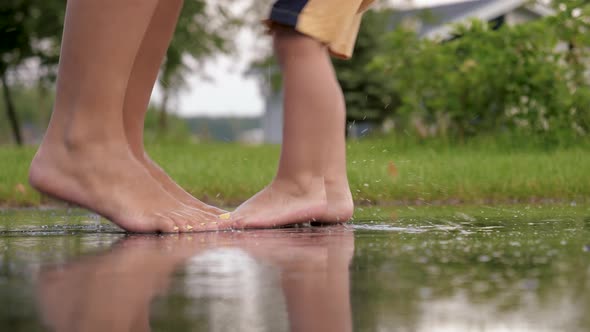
(481,269)
(274,280)
(496,274)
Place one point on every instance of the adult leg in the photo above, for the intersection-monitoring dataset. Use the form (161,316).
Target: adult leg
(143,75)
(84,157)
(312,154)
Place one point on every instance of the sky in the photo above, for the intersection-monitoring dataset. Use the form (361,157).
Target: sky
(228,92)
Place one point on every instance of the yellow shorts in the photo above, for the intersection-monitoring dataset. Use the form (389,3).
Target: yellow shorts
(333,22)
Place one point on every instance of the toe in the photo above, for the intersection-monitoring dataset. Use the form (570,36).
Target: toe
(238,222)
(199,221)
(204,221)
(195,220)
(165,225)
(182,221)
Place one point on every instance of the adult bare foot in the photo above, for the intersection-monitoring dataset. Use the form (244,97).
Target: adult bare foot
(85,158)
(144,72)
(283,203)
(107,179)
(175,190)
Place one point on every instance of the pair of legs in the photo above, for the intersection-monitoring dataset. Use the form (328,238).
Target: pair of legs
(92,154)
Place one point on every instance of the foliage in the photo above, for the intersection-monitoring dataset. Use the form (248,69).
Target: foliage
(367,98)
(34,110)
(521,78)
(221,128)
(30,29)
(204,28)
(177,130)
(528,78)
(380,171)
(31,34)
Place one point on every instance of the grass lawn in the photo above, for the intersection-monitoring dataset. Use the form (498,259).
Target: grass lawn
(380,171)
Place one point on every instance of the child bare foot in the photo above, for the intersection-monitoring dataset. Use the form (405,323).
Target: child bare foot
(109,181)
(340,204)
(283,203)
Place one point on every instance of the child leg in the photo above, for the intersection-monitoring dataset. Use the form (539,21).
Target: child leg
(311,183)
(312,155)
(137,97)
(84,157)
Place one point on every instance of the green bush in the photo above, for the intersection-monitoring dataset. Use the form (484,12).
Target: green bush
(527,78)
(367,98)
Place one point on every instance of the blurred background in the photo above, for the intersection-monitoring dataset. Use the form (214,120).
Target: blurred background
(440,69)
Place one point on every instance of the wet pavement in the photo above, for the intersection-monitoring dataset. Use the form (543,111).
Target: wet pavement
(521,268)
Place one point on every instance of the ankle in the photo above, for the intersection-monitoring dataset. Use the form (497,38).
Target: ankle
(83,140)
(336,181)
(300,185)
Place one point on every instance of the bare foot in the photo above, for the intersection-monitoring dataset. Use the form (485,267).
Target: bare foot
(105,178)
(340,203)
(283,203)
(174,189)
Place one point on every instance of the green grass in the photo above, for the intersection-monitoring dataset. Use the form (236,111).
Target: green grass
(227,174)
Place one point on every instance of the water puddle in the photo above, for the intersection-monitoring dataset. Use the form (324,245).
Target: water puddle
(387,228)
(419,269)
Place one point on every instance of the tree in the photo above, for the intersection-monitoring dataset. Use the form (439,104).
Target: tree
(203,29)
(367,98)
(30,29)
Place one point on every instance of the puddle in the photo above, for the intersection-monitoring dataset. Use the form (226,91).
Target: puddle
(426,269)
(387,228)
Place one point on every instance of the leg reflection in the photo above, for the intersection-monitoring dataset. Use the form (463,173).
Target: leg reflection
(314,267)
(113,291)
